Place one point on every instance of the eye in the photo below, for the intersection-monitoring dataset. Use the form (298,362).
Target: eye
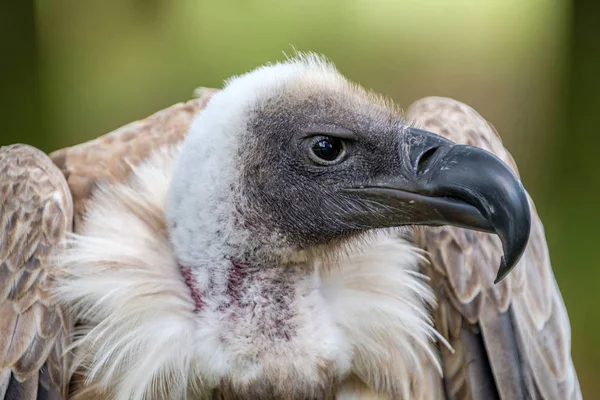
(327,150)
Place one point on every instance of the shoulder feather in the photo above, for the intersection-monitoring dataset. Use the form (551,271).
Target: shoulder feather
(110,157)
(35,216)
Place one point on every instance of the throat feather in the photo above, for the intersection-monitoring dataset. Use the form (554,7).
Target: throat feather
(236,277)
(264,293)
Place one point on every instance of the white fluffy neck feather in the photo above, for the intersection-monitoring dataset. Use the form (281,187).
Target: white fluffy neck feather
(142,339)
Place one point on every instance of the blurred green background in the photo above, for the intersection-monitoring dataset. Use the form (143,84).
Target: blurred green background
(74,70)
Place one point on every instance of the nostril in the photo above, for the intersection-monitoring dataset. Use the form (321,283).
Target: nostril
(423,161)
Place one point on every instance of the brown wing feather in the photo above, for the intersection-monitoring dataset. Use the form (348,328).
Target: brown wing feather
(35,215)
(109,157)
(512,339)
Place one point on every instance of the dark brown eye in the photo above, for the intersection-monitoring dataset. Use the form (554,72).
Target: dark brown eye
(327,150)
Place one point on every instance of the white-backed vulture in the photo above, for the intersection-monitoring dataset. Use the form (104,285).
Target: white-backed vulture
(291,236)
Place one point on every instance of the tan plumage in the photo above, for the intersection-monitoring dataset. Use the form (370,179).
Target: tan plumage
(109,157)
(35,215)
(37,212)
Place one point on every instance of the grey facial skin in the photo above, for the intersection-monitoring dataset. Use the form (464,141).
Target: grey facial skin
(390,174)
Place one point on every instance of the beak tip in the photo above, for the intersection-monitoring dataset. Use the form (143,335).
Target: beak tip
(500,276)
(504,270)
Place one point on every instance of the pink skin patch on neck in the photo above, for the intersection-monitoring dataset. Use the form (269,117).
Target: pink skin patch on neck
(234,284)
(191,283)
(272,290)
(237,274)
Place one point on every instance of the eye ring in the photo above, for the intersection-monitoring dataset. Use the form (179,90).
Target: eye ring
(327,150)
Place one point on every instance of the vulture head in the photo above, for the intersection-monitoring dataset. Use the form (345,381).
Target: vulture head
(292,159)
(281,272)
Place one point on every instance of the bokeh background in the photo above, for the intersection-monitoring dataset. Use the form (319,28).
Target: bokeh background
(74,70)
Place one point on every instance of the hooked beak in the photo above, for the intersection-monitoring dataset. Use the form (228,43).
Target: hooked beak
(441,183)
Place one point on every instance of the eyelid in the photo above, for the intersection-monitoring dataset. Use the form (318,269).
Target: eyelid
(329,130)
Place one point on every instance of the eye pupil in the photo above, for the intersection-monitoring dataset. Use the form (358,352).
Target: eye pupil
(327,149)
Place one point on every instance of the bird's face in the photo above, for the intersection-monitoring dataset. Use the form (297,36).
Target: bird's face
(306,148)
(315,160)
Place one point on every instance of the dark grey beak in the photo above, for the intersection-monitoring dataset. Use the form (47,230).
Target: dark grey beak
(441,183)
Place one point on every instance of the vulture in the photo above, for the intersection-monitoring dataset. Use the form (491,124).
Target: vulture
(289,236)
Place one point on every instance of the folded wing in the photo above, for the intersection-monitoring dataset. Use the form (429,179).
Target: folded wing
(35,216)
(512,340)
